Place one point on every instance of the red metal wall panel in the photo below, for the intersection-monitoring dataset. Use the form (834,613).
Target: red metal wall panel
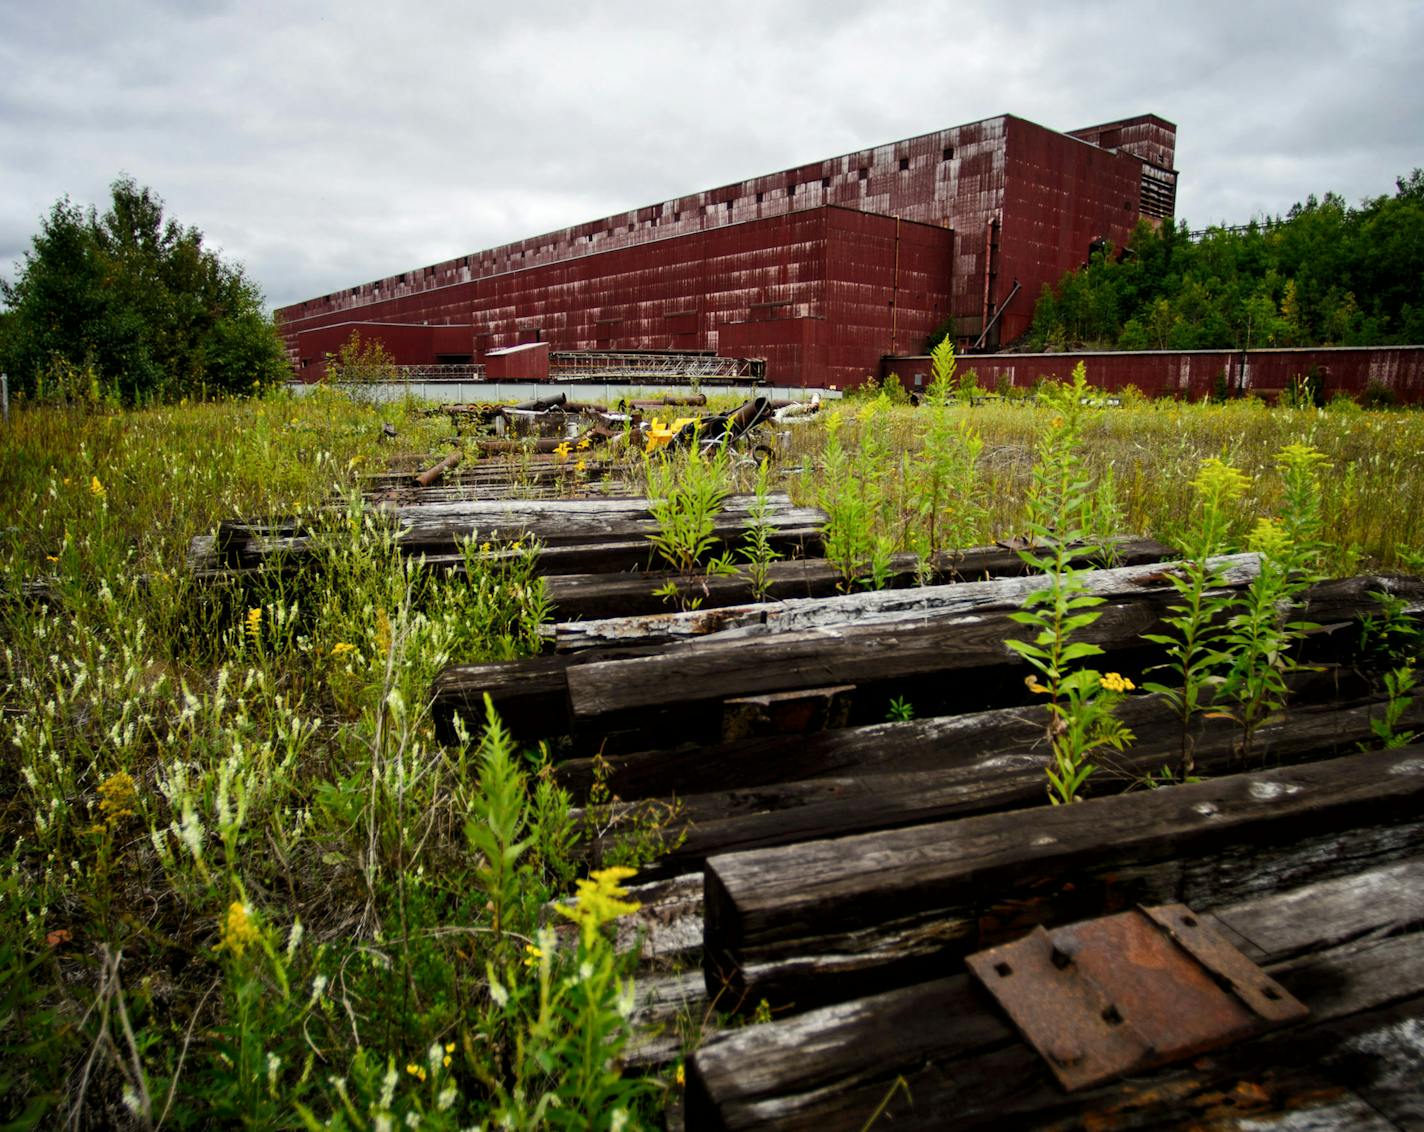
(519,363)
(882,284)
(1060,195)
(1196,374)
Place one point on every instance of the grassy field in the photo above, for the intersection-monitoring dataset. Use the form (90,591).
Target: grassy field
(240,881)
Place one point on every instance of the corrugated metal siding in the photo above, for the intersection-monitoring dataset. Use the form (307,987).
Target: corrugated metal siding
(1060,195)
(1195,374)
(771,278)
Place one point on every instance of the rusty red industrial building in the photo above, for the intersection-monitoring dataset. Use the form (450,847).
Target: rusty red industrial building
(821,270)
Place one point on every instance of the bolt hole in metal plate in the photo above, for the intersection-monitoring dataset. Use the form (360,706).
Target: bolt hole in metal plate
(1126,992)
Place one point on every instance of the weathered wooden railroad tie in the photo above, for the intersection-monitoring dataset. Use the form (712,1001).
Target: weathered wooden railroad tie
(573,535)
(1342,938)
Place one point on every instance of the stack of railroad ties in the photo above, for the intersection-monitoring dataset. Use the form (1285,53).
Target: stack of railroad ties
(932,941)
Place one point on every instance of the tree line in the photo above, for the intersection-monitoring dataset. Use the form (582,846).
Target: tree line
(1325,274)
(128,306)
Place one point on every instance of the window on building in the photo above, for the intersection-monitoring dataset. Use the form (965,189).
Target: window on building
(729,206)
(864,173)
(759,196)
(825,182)
(904,164)
(790,190)
(949,153)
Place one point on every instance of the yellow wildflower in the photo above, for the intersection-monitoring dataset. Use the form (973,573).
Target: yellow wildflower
(383,632)
(484,548)
(580,466)
(117,798)
(599,900)
(96,488)
(532,955)
(51,558)
(563,450)
(415,1070)
(1113,682)
(238,930)
(254,622)
(341,648)
(681,1076)
(585,442)
(1270,539)
(1032,684)
(1057,422)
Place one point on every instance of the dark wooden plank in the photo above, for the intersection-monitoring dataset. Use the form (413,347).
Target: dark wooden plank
(873,607)
(830,1068)
(941,742)
(965,784)
(589,596)
(830,919)
(948,661)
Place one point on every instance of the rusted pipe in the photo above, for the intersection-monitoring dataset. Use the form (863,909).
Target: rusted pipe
(433,474)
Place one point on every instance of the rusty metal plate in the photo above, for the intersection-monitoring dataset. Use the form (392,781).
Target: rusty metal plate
(1127,992)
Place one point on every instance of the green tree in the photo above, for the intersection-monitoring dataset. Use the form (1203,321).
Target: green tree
(138,302)
(1325,274)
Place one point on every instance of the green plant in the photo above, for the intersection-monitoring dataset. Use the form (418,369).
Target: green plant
(943,505)
(360,365)
(900,711)
(852,493)
(1260,637)
(1399,684)
(941,390)
(1194,654)
(630,834)
(686,494)
(756,550)
(1081,701)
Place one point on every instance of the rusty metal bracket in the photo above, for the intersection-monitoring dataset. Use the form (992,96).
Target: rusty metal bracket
(1130,991)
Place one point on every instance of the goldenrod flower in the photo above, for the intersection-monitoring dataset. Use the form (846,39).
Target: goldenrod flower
(238,930)
(1113,682)
(1270,539)
(341,648)
(254,622)
(96,488)
(117,798)
(599,900)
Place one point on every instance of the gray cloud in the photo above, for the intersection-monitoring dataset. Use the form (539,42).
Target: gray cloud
(327,144)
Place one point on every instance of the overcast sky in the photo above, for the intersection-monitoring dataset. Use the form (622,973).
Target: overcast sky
(325,144)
